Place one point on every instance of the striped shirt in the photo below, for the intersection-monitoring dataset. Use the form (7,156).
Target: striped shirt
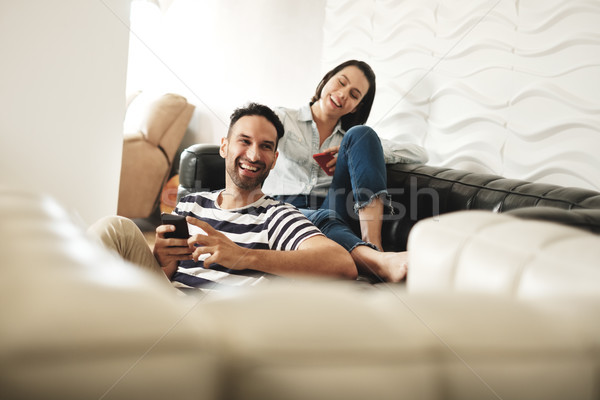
(264,224)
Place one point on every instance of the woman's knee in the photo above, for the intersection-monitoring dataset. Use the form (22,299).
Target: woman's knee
(359,133)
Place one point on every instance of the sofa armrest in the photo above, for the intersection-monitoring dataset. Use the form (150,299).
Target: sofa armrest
(484,252)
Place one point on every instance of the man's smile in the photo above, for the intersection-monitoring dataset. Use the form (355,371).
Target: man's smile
(251,169)
(248,167)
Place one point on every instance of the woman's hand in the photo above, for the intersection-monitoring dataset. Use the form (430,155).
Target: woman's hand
(219,248)
(333,150)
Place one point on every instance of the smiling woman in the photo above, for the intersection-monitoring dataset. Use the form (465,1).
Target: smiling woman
(348,207)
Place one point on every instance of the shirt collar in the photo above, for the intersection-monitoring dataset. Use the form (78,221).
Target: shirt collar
(305,115)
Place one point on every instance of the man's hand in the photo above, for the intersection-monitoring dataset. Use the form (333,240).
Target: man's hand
(220,248)
(168,252)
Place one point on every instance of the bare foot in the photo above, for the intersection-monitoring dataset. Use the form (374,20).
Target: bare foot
(389,267)
(395,266)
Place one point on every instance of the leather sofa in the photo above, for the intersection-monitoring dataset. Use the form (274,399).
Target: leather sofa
(422,191)
(495,306)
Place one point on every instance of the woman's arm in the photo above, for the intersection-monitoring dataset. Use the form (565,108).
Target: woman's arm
(395,152)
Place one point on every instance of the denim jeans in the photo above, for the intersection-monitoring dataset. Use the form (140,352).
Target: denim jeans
(360,177)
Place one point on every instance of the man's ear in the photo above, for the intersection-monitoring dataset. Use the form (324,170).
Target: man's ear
(223,148)
(275,160)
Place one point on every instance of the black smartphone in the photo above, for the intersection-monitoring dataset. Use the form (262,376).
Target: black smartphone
(181,226)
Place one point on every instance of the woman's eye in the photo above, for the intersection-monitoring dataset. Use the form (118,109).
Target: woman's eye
(341,83)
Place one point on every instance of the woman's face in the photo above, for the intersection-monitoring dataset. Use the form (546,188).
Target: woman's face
(343,92)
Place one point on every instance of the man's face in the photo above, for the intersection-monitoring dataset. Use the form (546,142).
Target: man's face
(250,151)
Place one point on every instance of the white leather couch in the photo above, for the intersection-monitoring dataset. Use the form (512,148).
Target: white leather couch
(494,307)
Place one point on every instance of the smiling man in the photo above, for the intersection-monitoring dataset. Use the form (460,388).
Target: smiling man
(239,236)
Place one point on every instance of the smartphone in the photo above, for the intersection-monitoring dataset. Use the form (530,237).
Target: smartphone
(322,159)
(181,226)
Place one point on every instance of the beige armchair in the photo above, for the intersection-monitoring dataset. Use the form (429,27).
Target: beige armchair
(148,155)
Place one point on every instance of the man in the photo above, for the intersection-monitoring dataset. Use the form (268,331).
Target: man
(240,236)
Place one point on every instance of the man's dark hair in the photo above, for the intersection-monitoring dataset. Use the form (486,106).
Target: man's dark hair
(257,109)
(359,117)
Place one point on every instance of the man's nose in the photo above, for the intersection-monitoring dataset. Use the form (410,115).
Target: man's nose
(253,154)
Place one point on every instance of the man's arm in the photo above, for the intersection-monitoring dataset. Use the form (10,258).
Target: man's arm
(316,255)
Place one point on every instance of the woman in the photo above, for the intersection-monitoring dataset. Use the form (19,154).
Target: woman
(357,192)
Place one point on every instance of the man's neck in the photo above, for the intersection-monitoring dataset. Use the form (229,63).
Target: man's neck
(235,198)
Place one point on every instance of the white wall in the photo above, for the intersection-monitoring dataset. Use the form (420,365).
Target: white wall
(503,87)
(220,54)
(62,96)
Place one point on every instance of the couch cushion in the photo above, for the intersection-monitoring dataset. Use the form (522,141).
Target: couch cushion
(315,340)
(78,322)
(485,252)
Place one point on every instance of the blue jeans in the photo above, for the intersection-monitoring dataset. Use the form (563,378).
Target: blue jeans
(360,177)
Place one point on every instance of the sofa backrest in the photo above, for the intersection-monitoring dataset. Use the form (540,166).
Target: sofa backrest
(200,168)
(422,191)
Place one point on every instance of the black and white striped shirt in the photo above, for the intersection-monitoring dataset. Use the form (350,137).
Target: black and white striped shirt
(264,224)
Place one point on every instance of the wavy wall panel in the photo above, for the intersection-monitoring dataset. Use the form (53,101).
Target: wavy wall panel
(505,87)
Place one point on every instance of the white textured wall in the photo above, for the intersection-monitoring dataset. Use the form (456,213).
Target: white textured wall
(62,96)
(504,87)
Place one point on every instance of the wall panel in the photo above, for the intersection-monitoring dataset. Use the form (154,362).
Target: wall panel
(505,87)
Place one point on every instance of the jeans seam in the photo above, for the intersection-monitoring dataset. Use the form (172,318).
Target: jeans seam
(362,243)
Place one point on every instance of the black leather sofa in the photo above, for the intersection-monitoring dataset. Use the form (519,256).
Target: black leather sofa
(422,191)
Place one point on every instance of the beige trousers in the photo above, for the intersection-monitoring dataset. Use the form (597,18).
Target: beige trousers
(124,237)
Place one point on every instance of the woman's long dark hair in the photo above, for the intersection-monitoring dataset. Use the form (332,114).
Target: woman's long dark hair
(359,117)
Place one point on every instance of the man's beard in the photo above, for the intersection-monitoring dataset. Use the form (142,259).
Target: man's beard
(244,182)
